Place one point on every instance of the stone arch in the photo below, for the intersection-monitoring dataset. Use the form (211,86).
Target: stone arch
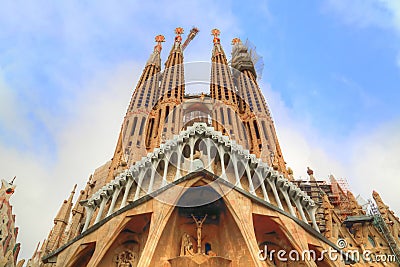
(158,174)
(160,168)
(172,166)
(127,245)
(217,166)
(271,237)
(321,260)
(241,169)
(145,183)
(186,151)
(219,229)
(83,255)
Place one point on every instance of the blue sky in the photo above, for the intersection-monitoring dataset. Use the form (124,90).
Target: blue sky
(331,78)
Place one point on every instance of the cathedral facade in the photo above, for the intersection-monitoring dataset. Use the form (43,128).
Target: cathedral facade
(200,180)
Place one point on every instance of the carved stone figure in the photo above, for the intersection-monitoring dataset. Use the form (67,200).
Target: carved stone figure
(126,258)
(212,253)
(199,225)
(187,245)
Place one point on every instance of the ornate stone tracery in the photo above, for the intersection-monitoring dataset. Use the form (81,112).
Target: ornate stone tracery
(258,174)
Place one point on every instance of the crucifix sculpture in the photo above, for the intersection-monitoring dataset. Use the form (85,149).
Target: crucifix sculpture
(199,225)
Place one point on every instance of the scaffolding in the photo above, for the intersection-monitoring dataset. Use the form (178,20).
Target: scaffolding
(336,194)
(344,185)
(380,223)
(315,190)
(257,59)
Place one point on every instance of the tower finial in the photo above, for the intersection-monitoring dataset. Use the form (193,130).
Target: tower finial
(73,190)
(216,33)
(159,39)
(236,40)
(178,32)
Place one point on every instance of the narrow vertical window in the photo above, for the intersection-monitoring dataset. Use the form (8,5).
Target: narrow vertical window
(141,126)
(229,117)
(133,126)
(256,129)
(222,116)
(264,129)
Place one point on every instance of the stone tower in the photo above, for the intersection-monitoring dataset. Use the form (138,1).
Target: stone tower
(223,92)
(143,99)
(200,180)
(9,248)
(57,235)
(164,119)
(253,109)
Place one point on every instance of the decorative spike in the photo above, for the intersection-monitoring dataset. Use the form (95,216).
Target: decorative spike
(159,39)
(216,33)
(73,190)
(178,31)
(236,40)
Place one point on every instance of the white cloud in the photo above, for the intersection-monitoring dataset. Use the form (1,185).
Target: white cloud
(384,14)
(375,163)
(394,8)
(12,114)
(86,131)
(84,142)
(368,160)
(302,144)
(360,13)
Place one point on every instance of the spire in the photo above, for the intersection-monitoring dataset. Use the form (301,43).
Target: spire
(217,48)
(241,59)
(354,207)
(65,210)
(60,223)
(117,163)
(155,58)
(162,122)
(7,189)
(130,146)
(223,91)
(36,250)
(148,81)
(178,40)
(254,110)
(383,208)
(172,84)
(175,56)
(77,215)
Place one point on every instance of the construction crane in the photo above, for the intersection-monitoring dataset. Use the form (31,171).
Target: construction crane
(190,37)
